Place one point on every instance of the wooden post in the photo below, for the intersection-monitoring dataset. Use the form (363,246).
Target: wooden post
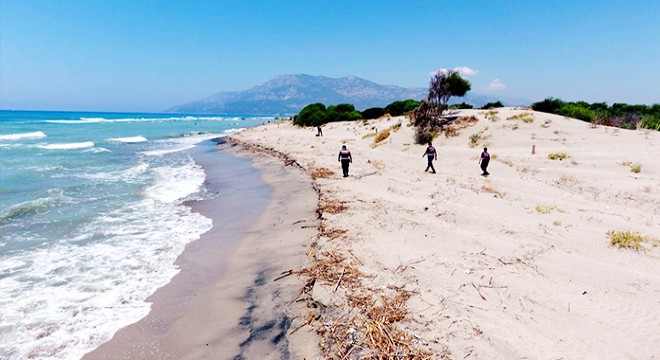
(533,149)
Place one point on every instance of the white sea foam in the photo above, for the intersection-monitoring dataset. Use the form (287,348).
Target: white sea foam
(97,150)
(67,146)
(132,174)
(61,302)
(23,136)
(177,182)
(130,139)
(169,146)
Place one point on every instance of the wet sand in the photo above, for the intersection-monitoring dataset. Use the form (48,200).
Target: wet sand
(224,303)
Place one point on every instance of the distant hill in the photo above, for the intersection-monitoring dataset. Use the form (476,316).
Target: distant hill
(288,94)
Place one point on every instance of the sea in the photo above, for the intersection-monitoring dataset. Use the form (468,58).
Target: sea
(93,216)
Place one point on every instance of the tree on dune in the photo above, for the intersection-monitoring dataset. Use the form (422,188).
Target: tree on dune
(428,116)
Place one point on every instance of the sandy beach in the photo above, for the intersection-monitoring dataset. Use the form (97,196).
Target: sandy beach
(224,303)
(396,262)
(456,265)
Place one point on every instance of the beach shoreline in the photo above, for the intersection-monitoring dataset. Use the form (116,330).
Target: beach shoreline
(224,302)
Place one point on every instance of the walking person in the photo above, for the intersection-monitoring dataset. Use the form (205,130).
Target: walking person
(431,155)
(484,159)
(319,132)
(345,158)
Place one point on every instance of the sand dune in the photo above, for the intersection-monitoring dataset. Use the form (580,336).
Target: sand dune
(515,265)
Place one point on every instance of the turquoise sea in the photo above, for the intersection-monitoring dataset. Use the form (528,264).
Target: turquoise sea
(92,218)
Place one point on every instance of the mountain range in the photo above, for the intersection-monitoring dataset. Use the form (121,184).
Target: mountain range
(287,94)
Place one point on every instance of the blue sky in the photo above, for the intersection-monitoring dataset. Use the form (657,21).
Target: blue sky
(138,55)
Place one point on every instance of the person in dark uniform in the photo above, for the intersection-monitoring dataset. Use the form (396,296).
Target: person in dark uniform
(431,155)
(345,158)
(484,160)
(319,132)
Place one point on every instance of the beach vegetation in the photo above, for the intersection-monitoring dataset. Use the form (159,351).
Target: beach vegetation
(636,168)
(427,117)
(630,240)
(373,113)
(492,105)
(318,114)
(399,108)
(322,173)
(492,190)
(492,115)
(423,136)
(525,117)
(462,122)
(451,131)
(547,209)
(475,139)
(462,105)
(311,115)
(558,156)
(620,115)
(381,136)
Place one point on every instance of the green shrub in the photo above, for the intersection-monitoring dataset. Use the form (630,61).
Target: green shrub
(492,105)
(651,122)
(549,105)
(577,112)
(399,108)
(318,114)
(462,105)
(310,115)
(373,113)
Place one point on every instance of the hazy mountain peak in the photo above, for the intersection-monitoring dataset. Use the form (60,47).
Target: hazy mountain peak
(288,94)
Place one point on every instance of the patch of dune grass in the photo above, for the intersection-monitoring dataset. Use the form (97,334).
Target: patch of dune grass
(525,117)
(547,209)
(558,156)
(382,136)
(630,240)
(492,115)
(636,168)
(492,190)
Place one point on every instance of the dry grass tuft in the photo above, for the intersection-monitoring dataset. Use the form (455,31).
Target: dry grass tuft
(492,190)
(322,173)
(478,138)
(630,240)
(330,232)
(567,180)
(636,168)
(385,134)
(547,209)
(331,206)
(525,117)
(491,115)
(462,122)
(558,156)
